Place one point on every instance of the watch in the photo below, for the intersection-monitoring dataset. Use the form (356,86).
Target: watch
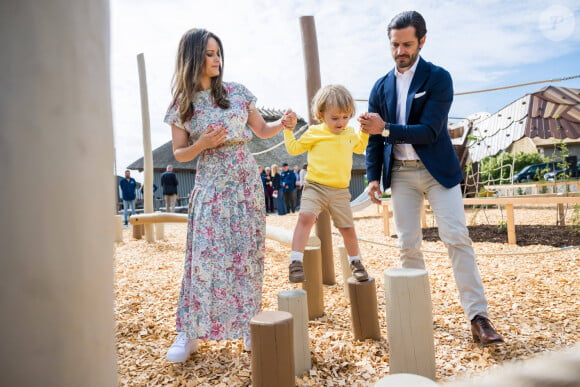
(386,130)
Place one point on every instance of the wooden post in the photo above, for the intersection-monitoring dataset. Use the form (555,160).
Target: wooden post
(313,282)
(561,214)
(511,226)
(147,152)
(346,270)
(118,228)
(160,231)
(312,69)
(56,271)
(410,322)
(138,230)
(295,302)
(272,349)
(363,309)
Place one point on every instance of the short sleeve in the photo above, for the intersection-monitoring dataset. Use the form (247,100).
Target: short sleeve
(249,98)
(172,116)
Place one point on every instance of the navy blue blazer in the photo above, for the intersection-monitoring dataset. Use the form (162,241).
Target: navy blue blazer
(428,103)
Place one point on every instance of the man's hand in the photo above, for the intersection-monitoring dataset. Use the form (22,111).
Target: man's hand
(375,191)
(371,123)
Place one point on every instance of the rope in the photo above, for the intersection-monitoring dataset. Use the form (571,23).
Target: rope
(302,129)
(483,254)
(507,87)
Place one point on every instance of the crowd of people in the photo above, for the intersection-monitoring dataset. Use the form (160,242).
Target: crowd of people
(286,184)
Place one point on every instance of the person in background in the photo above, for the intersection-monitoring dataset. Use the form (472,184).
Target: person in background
(213,121)
(128,194)
(277,194)
(169,184)
(330,146)
(289,183)
(268,190)
(410,151)
(298,186)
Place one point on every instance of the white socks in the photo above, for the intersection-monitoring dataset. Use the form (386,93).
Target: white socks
(296,256)
(353,258)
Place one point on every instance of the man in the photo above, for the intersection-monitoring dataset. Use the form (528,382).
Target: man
(169,183)
(411,151)
(298,186)
(128,186)
(289,182)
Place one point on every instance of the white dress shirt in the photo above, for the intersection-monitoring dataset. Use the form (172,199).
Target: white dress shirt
(404,151)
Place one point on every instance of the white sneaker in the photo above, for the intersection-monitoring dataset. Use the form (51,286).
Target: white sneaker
(181,349)
(247,345)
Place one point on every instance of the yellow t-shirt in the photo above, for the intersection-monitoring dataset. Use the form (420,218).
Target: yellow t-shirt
(329,154)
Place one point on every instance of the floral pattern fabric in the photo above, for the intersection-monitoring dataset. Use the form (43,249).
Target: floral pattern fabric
(221,288)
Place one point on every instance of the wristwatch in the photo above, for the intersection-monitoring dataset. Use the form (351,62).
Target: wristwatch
(386,130)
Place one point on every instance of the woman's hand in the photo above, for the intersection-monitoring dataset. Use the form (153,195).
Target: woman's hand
(214,136)
(289,120)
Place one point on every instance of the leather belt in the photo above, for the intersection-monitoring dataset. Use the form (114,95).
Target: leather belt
(408,163)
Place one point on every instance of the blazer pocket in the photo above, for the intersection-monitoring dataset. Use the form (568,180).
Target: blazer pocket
(419,95)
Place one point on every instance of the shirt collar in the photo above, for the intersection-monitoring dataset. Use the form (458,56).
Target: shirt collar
(411,71)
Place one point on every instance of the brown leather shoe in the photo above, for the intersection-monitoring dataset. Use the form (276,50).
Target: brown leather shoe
(484,332)
(296,272)
(358,271)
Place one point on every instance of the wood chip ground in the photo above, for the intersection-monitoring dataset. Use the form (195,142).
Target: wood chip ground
(533,293)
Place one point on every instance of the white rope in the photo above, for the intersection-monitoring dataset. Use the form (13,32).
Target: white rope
(302,129)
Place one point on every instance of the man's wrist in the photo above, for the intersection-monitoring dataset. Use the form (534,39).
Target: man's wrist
(386,130)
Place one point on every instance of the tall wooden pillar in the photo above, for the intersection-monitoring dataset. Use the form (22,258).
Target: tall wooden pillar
(57,196)
(312,67)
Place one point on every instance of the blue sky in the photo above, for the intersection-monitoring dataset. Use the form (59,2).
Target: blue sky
(484,44)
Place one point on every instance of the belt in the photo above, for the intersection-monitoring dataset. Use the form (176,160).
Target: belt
(407,163)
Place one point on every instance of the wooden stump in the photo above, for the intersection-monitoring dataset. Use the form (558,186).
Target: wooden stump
(138,231)
(323,231)
(272,349)
(313,282)
(410,322)
(363,309)
(295,302)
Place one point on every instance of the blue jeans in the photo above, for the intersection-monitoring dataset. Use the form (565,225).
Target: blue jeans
(409,186)
(126,205)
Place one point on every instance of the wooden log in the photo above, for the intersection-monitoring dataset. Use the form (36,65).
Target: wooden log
(272,349)
(295,302)
(313,282)
(118,228)
(325,235)
(158,217)
(405,380)
(363,309)
(345,266)
(138,231)
(410,322)
(285,236)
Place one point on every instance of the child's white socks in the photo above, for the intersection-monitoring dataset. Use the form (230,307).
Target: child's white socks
(296,256)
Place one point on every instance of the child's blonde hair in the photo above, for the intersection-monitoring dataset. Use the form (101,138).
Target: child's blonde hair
(332,96)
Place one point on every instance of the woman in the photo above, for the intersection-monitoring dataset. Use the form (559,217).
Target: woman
(269,190)
(278,193)
(213,120)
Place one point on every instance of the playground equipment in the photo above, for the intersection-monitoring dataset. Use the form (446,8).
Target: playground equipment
(272,335)
(294,302)
(409,322)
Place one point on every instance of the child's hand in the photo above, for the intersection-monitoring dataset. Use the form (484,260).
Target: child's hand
(289,120)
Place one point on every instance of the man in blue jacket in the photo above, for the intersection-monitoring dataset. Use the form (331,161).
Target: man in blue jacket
(289,182)
(128,194)
(410,151)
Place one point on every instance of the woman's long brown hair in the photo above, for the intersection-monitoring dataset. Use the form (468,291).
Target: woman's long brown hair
(189,65)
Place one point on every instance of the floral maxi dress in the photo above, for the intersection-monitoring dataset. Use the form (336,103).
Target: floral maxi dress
(221,288)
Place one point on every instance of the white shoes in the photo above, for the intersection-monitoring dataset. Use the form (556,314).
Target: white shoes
(181,349)
(247,345)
